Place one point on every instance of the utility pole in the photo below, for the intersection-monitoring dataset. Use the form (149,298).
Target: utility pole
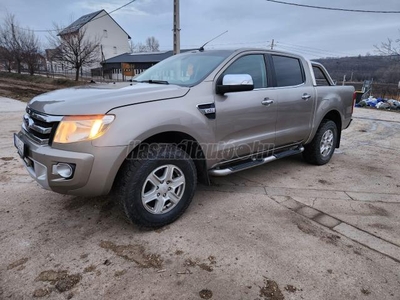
(272,44)
(177,29)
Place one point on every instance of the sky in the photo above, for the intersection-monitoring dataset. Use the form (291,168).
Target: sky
(250,23)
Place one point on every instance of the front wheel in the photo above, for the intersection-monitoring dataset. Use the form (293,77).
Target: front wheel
(157,188)
(321,148)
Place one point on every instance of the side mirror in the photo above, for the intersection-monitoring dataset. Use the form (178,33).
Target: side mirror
(235,83)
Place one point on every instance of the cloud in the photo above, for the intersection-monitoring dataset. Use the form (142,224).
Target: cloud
(96,5)
(251,23)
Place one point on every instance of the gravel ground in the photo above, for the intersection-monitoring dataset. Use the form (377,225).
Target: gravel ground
(285,230)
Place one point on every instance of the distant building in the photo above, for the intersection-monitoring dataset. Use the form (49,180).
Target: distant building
(128,65)
(99,25)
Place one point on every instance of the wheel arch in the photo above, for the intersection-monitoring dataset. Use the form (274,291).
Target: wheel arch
(335,116)
(184,141)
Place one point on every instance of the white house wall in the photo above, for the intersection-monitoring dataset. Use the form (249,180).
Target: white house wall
(114,42)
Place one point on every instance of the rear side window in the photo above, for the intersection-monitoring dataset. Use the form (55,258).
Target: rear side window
(320,77)
(288,71)
(254,65)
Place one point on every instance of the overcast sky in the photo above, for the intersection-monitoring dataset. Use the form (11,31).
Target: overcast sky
(250,23)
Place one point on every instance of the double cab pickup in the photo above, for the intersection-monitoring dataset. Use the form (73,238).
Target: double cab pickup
(194,115)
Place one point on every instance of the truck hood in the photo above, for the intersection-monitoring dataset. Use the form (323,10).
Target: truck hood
(101,98)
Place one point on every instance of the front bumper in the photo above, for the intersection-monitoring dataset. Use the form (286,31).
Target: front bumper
(93,175)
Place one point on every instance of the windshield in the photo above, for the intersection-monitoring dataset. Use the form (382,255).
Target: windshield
(186,69)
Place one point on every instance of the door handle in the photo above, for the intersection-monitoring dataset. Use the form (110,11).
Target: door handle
(305,96)
(267,102)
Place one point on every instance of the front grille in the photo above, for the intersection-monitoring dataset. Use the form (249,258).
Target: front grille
(39,126)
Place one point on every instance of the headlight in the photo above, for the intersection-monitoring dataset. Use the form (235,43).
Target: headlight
(82,128)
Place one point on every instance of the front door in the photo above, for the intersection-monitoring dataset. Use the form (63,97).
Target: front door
(246,120)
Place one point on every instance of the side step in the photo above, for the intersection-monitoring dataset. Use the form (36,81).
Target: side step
(254,163)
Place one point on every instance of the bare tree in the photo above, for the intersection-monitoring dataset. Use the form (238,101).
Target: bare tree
(30,51)
(132,47)
(10,39)
(138,48)
(152,44)
(389,47)
(75,49)
(6,58)
(18,45)
(142,48)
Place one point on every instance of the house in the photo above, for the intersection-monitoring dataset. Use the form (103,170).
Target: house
(99,25)
(53,66)
(128,65)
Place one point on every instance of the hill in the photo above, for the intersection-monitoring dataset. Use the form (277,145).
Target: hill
(384,70)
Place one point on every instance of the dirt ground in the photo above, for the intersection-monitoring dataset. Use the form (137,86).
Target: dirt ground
(285,230)
(24,87)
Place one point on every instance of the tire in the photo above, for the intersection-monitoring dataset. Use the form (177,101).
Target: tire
(320,150)
(156,188)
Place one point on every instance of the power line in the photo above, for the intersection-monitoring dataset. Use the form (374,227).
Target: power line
(130,2)
(314,50)
(338,9)
(316,53)
(47,30)
(296,49)
(317,49)
(286,48)
(241,43)
(230,43)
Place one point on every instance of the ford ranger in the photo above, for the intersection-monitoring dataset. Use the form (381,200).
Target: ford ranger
(194,115)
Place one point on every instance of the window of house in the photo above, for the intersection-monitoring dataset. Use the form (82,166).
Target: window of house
(254,65)
(105,34)
(288,71)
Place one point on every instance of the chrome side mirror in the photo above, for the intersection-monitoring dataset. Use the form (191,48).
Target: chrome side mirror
(237,79)
(235,83)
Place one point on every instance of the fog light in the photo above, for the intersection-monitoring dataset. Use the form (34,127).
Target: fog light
(64,170)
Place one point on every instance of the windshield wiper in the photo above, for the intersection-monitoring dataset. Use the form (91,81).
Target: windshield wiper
(155,81)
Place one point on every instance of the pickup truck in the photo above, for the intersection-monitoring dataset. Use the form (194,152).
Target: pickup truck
(194,115)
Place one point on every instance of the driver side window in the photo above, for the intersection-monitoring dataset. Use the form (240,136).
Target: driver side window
(253,65)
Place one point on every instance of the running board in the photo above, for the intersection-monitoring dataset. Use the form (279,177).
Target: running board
(254,163)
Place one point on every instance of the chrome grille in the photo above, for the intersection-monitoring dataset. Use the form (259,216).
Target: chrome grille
(40,127)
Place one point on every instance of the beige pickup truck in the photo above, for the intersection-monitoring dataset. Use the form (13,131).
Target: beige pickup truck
(194,115)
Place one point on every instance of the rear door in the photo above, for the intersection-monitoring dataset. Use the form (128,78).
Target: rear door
(246,120)
(295,100)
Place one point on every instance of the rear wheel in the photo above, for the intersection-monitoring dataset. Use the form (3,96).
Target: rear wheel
(322,147)
(157,188)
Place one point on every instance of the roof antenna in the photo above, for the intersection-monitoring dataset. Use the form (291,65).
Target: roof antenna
(202,47)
